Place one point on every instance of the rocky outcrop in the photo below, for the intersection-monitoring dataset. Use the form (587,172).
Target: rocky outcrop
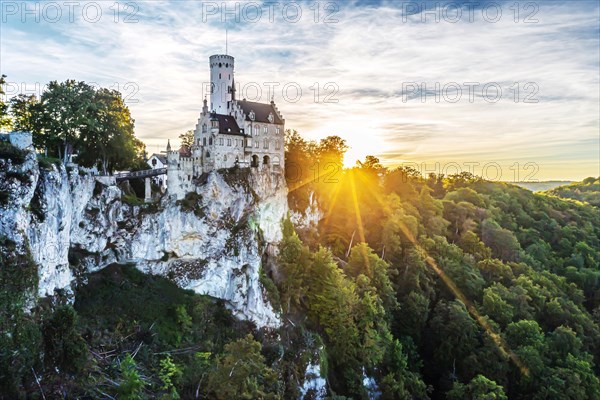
(213,242)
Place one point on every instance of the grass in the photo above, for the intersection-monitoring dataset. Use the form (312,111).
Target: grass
(132,200)
(48,162)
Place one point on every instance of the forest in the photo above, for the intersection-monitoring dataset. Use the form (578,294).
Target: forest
(423,287)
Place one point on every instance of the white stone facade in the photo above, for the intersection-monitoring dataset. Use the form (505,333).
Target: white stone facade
(230,133)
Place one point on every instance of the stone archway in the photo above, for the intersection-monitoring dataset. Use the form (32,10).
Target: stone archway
(254,161)
(266,160)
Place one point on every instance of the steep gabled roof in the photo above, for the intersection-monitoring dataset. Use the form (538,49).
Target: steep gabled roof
(261,111)
(161,157)
(227,125)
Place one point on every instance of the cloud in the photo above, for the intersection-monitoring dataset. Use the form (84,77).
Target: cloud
(367,57)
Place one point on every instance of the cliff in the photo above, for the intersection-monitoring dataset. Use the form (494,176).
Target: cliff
(213,242)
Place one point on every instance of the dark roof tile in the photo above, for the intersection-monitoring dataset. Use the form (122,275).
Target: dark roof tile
(261,111)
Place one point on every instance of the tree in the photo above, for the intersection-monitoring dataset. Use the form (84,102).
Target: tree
(67,109)
(64,347)
(480,388)
(5,122)
(108,137)
(294,261)
(187,139)
(131,385)
(364,261)
(241,373)
(25,112)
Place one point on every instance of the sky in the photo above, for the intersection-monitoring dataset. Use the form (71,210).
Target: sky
(507,90)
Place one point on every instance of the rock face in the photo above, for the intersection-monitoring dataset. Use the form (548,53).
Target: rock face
(213,242)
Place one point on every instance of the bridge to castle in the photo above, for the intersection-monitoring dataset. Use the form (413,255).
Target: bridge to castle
(144,174)
(147,173)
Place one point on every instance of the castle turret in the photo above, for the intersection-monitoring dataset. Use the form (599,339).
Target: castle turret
(221,83)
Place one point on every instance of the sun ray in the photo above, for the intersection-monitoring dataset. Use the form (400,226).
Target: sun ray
(359,223)
(487,327)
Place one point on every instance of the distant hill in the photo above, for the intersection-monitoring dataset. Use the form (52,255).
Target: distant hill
(586,191)
(542,186)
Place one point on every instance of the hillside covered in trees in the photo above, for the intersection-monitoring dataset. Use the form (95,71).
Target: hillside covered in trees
(587,191)
(446,287)
(409,287)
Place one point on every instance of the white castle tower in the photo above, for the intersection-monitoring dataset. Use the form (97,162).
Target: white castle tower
(230,133)
(222,84)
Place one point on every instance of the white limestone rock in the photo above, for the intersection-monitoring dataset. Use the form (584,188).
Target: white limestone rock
(216,251)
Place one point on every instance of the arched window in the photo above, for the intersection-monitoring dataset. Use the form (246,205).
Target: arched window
(266,160)
(265,130)
(254,161)
(256,130)
(204,128)
(266,144)
(210,141)
(277,145)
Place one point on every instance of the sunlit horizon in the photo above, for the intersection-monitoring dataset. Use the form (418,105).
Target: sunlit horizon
(391,98)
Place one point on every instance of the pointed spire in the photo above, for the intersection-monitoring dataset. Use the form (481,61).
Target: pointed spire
(168,145)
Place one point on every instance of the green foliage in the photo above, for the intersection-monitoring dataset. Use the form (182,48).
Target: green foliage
(271,289)
(241,373)
(192,202)
(169,374)
(187,139)
(75,118)
(480,388)
(63,346)
(586,191)
(5,121)
(10,152)
(21,336)
(131,385)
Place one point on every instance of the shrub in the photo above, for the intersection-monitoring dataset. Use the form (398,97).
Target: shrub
(10,152)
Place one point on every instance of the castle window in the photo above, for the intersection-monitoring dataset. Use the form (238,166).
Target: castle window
(248,142)
(266,144)
(228,142)
(236,143)
(219,76)
(204,128)
(204,141)
(221,141)
(265,130)
(256,130)
(214,123)
(256,144)
(277,146)
(220,65)
(210,141)
(277,130)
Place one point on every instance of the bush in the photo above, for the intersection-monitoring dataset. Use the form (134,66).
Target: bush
(10,152)
(64,347)
(192,203)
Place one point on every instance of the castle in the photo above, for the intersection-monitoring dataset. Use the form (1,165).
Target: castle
(229,133)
